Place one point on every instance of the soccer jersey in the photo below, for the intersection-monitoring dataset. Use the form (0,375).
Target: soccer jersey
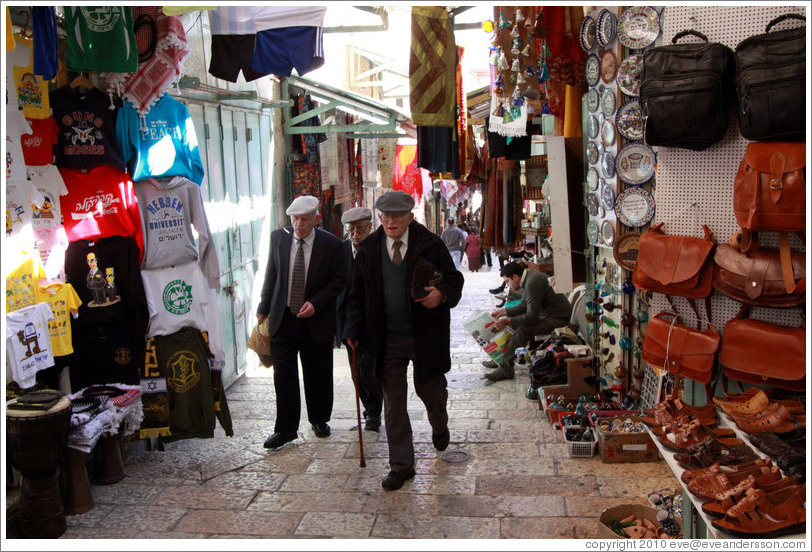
(64,303)
(28,345)
(101,38)
(48,182)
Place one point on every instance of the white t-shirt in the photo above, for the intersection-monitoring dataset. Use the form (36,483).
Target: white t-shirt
(176,298)
(16,126)
(20,199)
(47,180)
(28,343)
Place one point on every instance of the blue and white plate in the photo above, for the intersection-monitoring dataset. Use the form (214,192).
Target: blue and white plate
(635,163)
(607,25)
(588,33)
(629,120)
(638,27)
(634,206)
(592,70)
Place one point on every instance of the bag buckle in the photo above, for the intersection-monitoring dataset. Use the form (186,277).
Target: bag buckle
(776,183)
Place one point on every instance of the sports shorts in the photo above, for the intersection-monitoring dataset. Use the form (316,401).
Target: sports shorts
(277,51)
(232,53)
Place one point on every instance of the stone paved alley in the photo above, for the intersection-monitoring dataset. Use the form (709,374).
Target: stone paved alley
(518,482)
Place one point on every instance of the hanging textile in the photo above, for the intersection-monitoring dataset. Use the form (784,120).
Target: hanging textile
(30,90)
(438,150)
(46,42)
(305,179)
(328,161)
(369,162)
(462,119)
(407,176)
(10,44)
(432,66)
(387,148)
(162,49)
(101,38)
(567,59)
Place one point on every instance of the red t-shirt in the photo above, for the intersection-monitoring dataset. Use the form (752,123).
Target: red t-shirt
(38,147)
(100,202)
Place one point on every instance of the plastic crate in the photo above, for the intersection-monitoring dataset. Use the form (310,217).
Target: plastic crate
(561,414)
(580,449)
(609,414)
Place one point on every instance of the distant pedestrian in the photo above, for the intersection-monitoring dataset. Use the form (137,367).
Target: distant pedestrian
(473,250)
(454,240)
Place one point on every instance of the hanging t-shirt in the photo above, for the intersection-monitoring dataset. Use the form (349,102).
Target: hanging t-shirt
(20,201)
(28,345)
(16,127)
(52,244)
(9,31)
(105,355)
(87,129)
(106,275)
(46,41)
(177,298)
(101,38)
(169,208)
(39,145)
(162,143)
(64,303)
(23,281)
(32,90)
(48,182)
(100,202)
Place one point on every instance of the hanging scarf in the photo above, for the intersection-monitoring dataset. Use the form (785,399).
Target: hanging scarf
(165,35)
(432,67)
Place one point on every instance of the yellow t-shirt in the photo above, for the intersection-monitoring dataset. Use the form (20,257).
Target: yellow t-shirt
(63,300)
(32,91)
(22,282)
(9,31)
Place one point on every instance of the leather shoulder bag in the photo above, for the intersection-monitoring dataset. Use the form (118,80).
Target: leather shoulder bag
(675,265)
(757,278)
(755,351)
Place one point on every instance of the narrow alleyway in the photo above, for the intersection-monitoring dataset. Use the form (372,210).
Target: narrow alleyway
(517,483)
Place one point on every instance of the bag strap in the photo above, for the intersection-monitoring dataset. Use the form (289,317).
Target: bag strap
(786,265)
(784,17)
(745,241)
(689,32)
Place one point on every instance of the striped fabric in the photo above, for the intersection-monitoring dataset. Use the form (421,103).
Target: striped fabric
(432,68)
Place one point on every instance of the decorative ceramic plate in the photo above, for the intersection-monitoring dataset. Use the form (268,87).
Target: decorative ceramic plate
(608,233)
(592,232)
(588,34)
(592,204)
(608,66)
(638,27)
(593,70)
(608,196)
(629,120)
(634,207)
(607,25)
(629,73)
(608,102)
(592,100)
(608,164)
(635,163)
(626,249)
(592,178)
(608,133)
(591,153)
(592,126)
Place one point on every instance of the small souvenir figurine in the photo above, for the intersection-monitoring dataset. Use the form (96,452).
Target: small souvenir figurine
(503,22)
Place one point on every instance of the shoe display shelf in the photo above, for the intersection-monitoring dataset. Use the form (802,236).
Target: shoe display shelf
(694,503)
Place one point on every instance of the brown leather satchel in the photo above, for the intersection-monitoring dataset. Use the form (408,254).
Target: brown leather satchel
(757,279)
(755,351)
(675,265)
(681,350)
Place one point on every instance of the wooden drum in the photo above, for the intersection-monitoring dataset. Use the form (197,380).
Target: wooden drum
(36,442)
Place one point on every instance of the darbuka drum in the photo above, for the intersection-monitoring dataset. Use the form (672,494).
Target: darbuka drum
(36,441)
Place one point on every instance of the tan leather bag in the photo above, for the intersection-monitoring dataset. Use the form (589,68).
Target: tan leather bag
(757,278)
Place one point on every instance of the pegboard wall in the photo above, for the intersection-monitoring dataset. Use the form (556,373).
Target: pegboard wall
(706,177)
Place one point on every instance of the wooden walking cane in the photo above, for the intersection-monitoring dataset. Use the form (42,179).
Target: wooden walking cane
(357,382)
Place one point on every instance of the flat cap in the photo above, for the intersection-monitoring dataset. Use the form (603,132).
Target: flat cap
(395,202)
(355,214)
(303,205)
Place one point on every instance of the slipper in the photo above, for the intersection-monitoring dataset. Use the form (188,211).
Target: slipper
(775,421)
(755,517)
(709,487)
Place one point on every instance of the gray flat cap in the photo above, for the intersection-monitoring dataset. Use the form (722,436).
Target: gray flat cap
(395,202)
(303,205)
(355,214)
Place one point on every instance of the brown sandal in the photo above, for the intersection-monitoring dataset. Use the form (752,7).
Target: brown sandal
(711,451)
(775,420)
(682,422)
(689,475)
(727,500)
(708,487)
(756,403)
(755,517)
(691,434)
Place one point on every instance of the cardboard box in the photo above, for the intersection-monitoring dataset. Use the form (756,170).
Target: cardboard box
(625,447)
(578,368)
(623,511)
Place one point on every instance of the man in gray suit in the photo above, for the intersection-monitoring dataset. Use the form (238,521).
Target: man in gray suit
(306,271)
(540,312)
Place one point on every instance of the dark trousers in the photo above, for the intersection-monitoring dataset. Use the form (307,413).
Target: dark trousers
(522,335)
(290,341)
(370,389)
(433,393)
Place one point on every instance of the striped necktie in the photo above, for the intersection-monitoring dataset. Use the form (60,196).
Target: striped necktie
(297,283)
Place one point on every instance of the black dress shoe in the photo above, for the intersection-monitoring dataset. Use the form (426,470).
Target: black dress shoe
(395,480)
(373,423)
(321,429)
(496,290)
(441,439)
(277,440)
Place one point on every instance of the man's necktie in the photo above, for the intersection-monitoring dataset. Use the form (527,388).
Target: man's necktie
(397,258)
(297,283)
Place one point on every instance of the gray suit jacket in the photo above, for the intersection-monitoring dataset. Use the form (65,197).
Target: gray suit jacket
(539,300)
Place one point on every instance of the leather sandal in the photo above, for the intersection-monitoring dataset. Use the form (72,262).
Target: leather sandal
(711,451)
(708,487)
(770,444)
(671,410)
(776,421)
(681,423)
(732,497)
(756,403)
(689,475)
(692,434)
(756,517)
(750,416)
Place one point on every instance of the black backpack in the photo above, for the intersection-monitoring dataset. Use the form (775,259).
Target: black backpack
(771,83)
(685,93)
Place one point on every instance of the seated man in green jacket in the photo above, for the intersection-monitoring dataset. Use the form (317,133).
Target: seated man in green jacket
(540,312)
